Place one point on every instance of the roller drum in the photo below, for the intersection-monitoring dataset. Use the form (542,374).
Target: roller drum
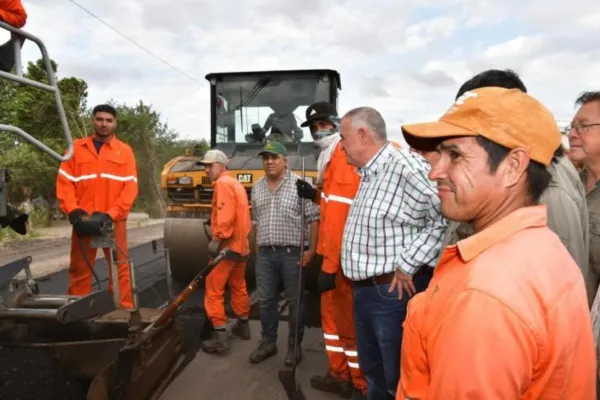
(187,239)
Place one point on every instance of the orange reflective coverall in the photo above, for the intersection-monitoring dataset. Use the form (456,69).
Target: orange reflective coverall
(13,13)
(104,182)
(340,184)
(231,224)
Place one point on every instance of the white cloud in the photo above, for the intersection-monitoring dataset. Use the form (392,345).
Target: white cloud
(405,57)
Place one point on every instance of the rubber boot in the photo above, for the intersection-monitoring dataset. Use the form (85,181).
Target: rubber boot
(331,384)
(241,329)
(218,343)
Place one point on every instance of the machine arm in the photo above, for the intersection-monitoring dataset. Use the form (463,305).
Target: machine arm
(52,87)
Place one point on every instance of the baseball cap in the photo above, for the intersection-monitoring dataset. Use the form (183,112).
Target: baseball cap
(319,110)
(508,117)
(274,148)
(214,156)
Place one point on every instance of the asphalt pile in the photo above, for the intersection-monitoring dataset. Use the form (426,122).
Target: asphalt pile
(32,374)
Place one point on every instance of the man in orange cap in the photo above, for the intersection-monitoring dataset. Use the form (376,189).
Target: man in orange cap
(230,225)
(100,178)
(505,314)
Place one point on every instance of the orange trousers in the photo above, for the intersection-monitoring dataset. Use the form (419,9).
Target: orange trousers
(337,319)
(232,273)
(80,276)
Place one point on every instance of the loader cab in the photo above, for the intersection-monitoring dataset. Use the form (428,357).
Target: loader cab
(250,108)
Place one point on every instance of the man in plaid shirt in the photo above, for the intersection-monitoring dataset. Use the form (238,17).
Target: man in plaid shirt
(276,212)
(392,240)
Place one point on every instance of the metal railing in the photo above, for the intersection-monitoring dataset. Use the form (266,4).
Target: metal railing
(17,35)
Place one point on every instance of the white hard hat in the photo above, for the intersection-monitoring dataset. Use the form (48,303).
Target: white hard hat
(214,156)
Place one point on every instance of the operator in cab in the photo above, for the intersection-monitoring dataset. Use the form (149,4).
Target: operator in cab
(230,225)
(100,179)
(337,183)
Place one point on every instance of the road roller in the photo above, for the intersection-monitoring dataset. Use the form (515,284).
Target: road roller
(247,110)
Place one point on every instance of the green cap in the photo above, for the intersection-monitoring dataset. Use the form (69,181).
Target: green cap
(274,148)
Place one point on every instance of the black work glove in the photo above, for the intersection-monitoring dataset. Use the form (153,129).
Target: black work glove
(213,248)
(105,219)
(76,215)
(325,282)
(305,190)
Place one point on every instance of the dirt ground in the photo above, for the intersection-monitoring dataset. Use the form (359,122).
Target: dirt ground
(51,247)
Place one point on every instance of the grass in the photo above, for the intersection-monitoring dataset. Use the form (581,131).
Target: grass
(8,235)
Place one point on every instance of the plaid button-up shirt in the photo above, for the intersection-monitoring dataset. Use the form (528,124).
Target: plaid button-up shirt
(277,214)
(395,218)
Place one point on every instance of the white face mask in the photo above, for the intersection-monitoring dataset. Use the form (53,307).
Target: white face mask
(322,134)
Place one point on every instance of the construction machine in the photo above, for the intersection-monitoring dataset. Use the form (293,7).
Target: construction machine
(57,346)
(247,109)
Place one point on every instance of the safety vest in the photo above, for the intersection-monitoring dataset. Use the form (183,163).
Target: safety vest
(105,182)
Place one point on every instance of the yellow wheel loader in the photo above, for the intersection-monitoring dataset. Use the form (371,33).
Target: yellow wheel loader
(247,110)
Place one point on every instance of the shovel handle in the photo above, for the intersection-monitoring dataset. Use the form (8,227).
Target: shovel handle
(185,293)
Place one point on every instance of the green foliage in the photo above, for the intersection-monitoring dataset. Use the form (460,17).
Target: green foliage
(34,110)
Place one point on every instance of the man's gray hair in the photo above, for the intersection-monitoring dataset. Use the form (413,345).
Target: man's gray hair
(370,118)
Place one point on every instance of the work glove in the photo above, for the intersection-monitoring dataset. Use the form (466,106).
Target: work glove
(213,248)
(305,190)
(76,215)
(105,219)
(325,282)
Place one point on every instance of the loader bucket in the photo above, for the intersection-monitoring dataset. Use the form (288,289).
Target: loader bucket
(87,360)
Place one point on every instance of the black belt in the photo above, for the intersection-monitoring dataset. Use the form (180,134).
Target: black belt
(279,248)
(386,279)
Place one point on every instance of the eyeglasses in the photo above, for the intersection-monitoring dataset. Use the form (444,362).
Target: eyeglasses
(580,128)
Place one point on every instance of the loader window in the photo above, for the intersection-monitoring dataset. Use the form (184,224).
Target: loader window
(255,108)
(187,165)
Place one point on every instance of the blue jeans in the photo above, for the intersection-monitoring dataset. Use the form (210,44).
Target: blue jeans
(274,266)
(378,317)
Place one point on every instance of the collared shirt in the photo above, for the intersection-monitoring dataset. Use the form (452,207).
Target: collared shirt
(505,316)
(395,218)
(277,214)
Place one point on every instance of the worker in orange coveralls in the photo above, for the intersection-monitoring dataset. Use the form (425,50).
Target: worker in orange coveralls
(231,226)
(100,178)
(12,13)
(338,182)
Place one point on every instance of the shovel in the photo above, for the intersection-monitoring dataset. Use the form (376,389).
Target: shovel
(287,375)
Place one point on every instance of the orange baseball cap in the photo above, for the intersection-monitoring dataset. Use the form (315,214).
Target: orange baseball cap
(508,117)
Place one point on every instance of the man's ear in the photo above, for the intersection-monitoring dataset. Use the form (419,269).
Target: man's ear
(514,166)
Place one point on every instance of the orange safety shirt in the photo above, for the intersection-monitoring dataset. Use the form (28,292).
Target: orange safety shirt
(504,317)
(230,216)
(340,184)
(13,13)
(105,182)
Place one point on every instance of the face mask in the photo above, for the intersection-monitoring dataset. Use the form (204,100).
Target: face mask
(322,134)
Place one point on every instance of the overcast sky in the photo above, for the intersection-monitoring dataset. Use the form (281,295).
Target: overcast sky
(406,58)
